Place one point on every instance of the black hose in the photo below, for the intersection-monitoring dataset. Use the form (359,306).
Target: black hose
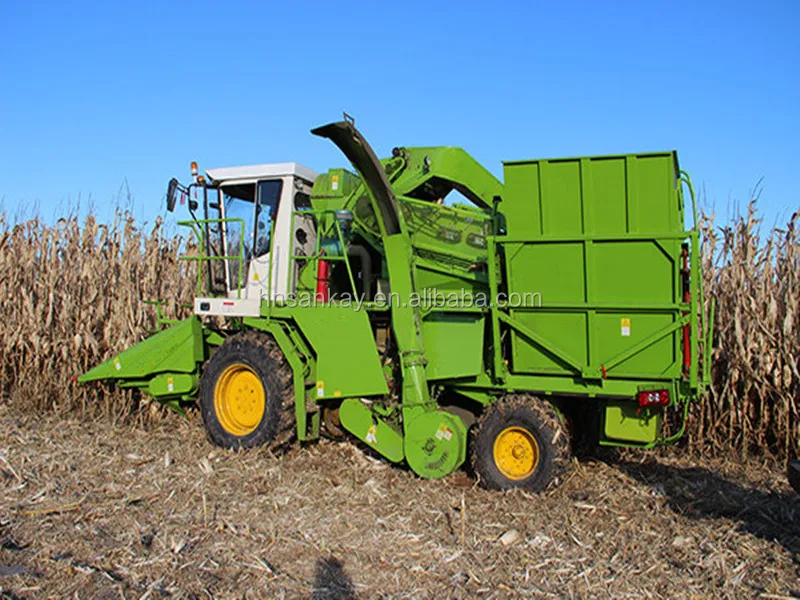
(366,268)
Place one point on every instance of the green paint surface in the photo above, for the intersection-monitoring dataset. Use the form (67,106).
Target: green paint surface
(625,422)
(177,349)
(347,362)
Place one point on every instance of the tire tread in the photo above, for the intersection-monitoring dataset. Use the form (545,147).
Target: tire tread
(558,455)
(278,387)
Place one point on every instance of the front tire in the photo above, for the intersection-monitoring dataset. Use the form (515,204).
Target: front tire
(520,441)
(246,395)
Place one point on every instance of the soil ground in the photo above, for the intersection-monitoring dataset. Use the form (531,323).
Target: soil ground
(89,510)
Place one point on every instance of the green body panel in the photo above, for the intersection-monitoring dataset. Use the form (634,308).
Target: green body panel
(565,331)
(453,344)
(180,349)
(659,360)
(172,384)
(376,433)
(434,282)
(598,195)
(624,421)
(333,187)
(347,362)
(593,338)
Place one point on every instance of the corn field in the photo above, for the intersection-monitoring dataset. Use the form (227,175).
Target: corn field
(754,400)
(72,297)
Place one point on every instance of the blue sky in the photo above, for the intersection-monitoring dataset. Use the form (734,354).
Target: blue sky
(99,96)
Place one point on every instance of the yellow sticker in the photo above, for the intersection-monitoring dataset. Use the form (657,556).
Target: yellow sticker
(335,183)
(337,394)
(625,326)
(444,432)
(320,389)
(170,384)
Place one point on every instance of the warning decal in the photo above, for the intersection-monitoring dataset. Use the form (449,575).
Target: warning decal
(444,432)
(625,326)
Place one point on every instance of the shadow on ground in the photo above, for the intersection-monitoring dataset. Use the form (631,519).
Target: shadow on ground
(699,493)
(331,582)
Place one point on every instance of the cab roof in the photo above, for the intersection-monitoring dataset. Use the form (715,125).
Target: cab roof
(256,172)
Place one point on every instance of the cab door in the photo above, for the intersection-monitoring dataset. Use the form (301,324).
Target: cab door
(238,205)
(251,211)
(270,263)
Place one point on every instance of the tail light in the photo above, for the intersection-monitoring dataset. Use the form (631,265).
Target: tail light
(653,398)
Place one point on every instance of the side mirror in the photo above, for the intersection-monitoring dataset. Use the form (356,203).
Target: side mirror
(173,190)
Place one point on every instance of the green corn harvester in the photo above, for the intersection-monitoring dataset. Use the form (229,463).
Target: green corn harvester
(565,302)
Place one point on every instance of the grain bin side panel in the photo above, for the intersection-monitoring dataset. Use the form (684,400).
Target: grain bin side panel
(595,195)
(597,242)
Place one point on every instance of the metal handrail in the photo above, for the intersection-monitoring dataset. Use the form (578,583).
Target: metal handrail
(318,250)
(195,226)
(706,321)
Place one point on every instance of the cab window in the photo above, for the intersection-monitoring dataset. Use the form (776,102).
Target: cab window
(269,194)
(239,203)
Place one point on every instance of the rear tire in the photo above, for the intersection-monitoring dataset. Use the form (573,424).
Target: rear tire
(246,393)
(520,442)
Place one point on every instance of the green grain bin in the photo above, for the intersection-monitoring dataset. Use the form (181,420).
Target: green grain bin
(597,242)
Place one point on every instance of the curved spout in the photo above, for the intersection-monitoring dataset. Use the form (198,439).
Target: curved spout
(406,317)
(358,151)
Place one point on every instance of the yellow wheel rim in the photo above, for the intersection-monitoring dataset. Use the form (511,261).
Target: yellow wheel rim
(239,400)
(516,453)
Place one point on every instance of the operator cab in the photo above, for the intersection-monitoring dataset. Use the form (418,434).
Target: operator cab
(263,197)
(246,207)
